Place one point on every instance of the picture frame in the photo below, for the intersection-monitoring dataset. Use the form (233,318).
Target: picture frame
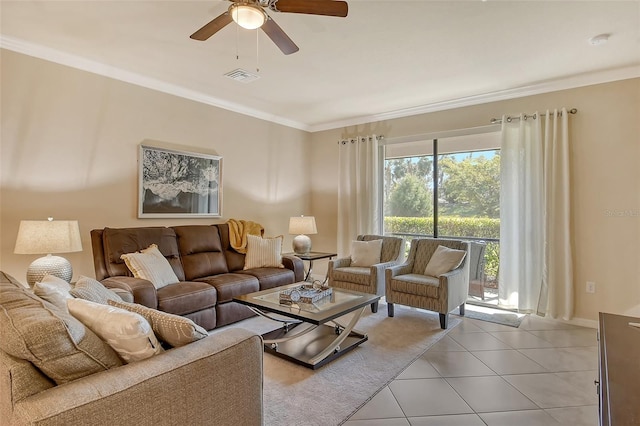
(178,184)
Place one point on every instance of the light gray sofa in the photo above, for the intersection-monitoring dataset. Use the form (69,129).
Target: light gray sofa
(213,381)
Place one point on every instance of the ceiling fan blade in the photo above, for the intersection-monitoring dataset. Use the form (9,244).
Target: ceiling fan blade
(212,27)
(279,37)
(313,7)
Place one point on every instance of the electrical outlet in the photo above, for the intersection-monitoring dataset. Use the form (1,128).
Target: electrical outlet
(591,287)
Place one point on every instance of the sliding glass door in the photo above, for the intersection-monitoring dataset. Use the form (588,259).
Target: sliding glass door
(448,188)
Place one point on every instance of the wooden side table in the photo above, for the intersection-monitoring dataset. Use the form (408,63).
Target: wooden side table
(310,257)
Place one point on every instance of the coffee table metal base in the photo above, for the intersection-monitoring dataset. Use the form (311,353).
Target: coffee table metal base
(310,345)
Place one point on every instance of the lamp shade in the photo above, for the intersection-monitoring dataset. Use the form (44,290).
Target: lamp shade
(302,225)
(48,236)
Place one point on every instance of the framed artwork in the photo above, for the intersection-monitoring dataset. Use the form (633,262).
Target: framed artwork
(178,184)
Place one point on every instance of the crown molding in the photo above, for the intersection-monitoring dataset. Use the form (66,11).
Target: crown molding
(571,82)
(74,61)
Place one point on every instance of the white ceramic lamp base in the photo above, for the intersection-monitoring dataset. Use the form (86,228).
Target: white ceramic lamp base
(301,244)
(49,265)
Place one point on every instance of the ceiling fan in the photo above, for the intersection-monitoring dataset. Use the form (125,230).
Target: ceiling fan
(251,14)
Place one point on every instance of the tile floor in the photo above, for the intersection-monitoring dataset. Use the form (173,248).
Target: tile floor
(483,373)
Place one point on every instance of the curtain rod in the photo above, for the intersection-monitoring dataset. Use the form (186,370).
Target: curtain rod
(359,138)
(525,116)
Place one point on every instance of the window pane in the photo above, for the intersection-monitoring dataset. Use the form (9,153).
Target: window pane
(469,208)
(408,195)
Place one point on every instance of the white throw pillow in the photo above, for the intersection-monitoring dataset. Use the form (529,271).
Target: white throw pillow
(365,253)
(54,290)
(149,264)
(444,259)
(128,333)
(172,329)
(263,252)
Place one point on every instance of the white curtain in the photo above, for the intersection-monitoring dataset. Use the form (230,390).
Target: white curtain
(536,272)
(358,190)
(557,286)
(521,214)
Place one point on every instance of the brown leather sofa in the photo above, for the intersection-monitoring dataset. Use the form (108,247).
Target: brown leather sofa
(209,269)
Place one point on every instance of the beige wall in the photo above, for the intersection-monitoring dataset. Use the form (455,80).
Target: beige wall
(605,179)
(70,145)
(69,150)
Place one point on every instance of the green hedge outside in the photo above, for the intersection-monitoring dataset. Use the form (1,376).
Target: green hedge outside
(450,226)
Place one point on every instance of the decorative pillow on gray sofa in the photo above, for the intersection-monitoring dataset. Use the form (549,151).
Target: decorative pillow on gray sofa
(55,342)
(172,329)
(54,290)
(89,289)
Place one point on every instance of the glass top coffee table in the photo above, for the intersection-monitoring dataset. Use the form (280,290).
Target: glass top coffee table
(311,334)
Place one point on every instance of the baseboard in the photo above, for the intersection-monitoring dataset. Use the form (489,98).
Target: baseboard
(582,322)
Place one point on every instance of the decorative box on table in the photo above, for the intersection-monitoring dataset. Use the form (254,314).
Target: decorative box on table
(305,293)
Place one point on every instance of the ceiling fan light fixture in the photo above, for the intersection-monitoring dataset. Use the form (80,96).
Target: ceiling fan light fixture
(248,15)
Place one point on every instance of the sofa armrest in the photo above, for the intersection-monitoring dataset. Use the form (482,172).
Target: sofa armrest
(456,286)
(216,380)
(295,264)
(144,293)
(341,262)
(402,269)
(377,274)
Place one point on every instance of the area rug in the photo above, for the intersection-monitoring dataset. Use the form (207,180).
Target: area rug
(498,316)
(295,395)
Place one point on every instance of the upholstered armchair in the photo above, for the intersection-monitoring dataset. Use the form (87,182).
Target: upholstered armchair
(407,284)
(369,278)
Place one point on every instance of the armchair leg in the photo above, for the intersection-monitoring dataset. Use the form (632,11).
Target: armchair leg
(462,310)
(374,307)
(390,309)
(443,321)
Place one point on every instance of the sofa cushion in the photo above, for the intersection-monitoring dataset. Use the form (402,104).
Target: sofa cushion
(235,260)
(201,251)
(119,241)
(54,341)
(149,264)
(272,277)
(172,329)
(263,252)
(230,285)
(89,289)
(186,297)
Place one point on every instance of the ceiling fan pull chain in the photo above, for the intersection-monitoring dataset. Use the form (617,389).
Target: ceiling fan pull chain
(257,51)
(237,37)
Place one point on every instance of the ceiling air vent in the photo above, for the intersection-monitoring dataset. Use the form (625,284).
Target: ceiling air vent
(242,75)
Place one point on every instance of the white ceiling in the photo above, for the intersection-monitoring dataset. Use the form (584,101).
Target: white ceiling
(385,59)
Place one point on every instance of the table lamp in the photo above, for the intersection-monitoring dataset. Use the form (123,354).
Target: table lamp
(299,226)
(46,237)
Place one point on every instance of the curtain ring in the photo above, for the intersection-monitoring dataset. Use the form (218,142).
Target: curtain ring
(509,119)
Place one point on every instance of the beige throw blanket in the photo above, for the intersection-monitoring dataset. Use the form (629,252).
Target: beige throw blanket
(238,231)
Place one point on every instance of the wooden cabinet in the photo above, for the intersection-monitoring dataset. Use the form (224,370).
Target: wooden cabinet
(619,356)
